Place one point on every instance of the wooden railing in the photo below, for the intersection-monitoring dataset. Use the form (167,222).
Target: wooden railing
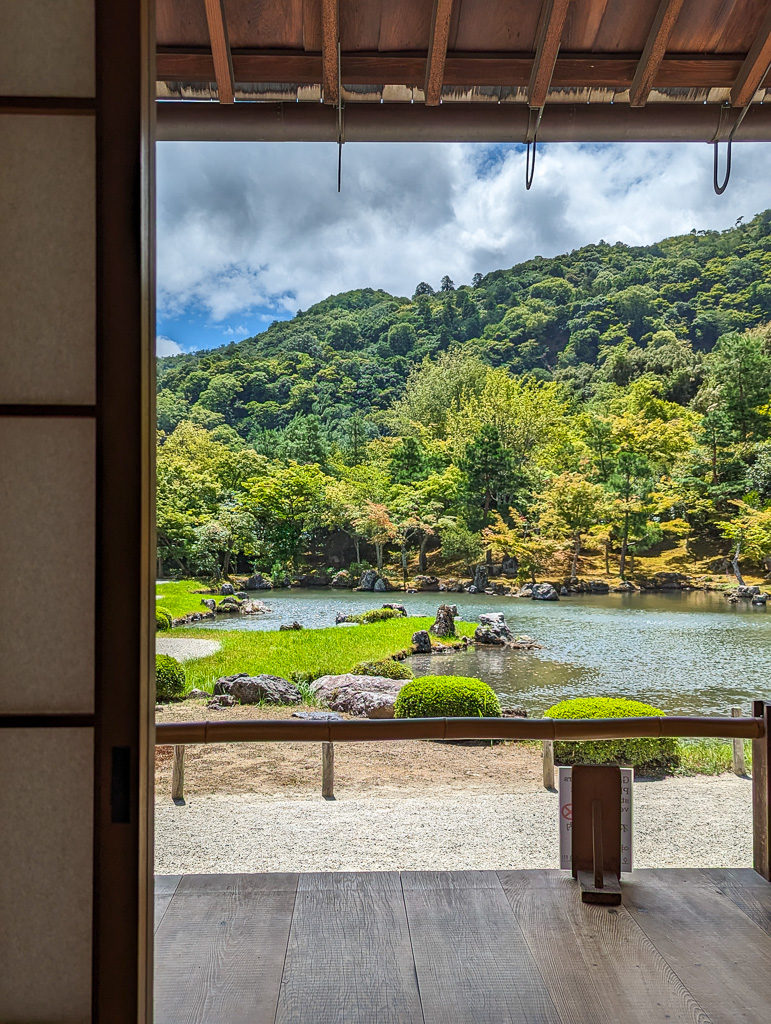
(756,728)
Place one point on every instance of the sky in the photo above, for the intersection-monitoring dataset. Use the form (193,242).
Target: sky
(249,233)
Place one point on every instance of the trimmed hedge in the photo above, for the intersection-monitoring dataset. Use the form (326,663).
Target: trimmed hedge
(645,754)
(162,619)
(169,678)
(388,668)
(375,615)
(447,697)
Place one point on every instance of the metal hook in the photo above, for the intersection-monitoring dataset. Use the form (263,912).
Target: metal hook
(530,168)
(720,189)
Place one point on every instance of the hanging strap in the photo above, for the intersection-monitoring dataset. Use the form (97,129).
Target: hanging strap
(718,137)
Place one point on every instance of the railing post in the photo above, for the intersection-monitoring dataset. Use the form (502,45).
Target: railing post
(761,793)
(548,764)
(328,771)
(739,766)
(178,774)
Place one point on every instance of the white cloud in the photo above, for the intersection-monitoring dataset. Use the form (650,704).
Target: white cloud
(244,225)
(166,346)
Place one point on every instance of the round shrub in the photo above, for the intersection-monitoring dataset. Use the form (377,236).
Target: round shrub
(162,619)
(645,753)
(375,615)
(169,678)
(447,697)
(388,668)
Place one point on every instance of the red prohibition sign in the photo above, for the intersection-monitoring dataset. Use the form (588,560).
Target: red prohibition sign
(567,812)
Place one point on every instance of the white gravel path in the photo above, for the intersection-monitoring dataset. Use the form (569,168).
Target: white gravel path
(681,822)
(184,649)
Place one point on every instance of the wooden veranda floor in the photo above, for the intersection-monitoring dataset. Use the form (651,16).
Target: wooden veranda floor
(454,947)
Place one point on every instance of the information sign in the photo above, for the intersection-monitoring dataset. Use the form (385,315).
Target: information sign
(566,817)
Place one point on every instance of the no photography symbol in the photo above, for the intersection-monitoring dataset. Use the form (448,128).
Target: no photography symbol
(567,812)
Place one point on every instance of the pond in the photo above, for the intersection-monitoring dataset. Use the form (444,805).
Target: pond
(687,653)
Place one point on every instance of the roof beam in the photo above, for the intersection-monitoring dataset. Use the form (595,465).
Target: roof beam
(754,67)
(437,51)
(548,39)
(653,54)
(330,63)
(220,51)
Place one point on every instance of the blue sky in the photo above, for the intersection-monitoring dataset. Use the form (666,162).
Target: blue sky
(249,233)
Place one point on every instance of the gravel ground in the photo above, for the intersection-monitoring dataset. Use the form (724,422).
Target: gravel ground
(700,821)
(184,649)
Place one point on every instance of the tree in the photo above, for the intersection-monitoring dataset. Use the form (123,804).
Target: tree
(423,289)
(287,506)
(739,370)
(374,523)
(750,531)
(476,280)
(571,506)
(447,284)
(488,470)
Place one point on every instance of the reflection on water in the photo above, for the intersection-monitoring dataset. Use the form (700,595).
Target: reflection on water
(687,653)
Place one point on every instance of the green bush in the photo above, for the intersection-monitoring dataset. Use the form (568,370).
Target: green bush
(169,678)
(162,619)
(645,754)
(447,697)
(375,615)
(389,668)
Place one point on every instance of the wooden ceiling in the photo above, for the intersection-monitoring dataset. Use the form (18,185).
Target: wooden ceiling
(530,54)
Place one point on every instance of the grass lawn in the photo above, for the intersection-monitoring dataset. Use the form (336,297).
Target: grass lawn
(709,756)
(303,655)
(178,598)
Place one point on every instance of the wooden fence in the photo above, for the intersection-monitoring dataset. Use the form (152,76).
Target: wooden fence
(737,728)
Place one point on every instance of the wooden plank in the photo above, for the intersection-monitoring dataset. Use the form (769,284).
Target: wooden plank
(761,794)
(349,958)
(178,774)
(754,902)
(328,771)
(165,886)
(220,51)
(655,48)
(739,766)
(571,70)
(597,963)
(754,68)
(548,39)
(219,953)
(437,51)
(717,952)
(330,29)
(471,958)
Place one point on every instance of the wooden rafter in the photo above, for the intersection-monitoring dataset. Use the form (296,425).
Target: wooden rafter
(437,51)
(220,51)
(655,49)
(330,69)
(754,67)
(548,39)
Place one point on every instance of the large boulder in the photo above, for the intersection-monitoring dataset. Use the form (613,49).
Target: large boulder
(258,689)
(748,592)
(670,580)
(254,608)
(318,716)
(761,598)
(496,622)
(544,592)
(227,589)
(315,578)
(342,579)
(444,624)
(368,579)
(481,579)
(510,566)
(257,582)
(488,635)
(421,642)
(380,586)
(209,602)
(599,587)
(426,583)
(363,696)
(399,608)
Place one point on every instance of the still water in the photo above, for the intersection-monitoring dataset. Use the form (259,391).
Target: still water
(687,653)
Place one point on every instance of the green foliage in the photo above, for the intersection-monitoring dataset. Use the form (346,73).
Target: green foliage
(709,756)
(375,615)
(447,697)
(169,678)
(645,754)
(388,667)
(162,619)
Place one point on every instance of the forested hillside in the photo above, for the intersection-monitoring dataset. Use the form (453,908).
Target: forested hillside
(614,396)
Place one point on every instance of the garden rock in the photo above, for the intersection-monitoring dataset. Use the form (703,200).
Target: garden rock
(481,578)
(760,598)
(495,620)
(318,716)
(363,696)
(256,689)
(421,642)
(221,701)
(748,592)
(598,587)
(526,591)
(516,712)
(342,579)
(231,605)
(257,582)
(510,567)
(380,586)
(196,694)
(368,579)
(316,578)
(397,608)
(290,625)
(227,589)
(427,582)
(209,603)
(670,580)
(544,592)
(254,608)
(489,636)
(444,625)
